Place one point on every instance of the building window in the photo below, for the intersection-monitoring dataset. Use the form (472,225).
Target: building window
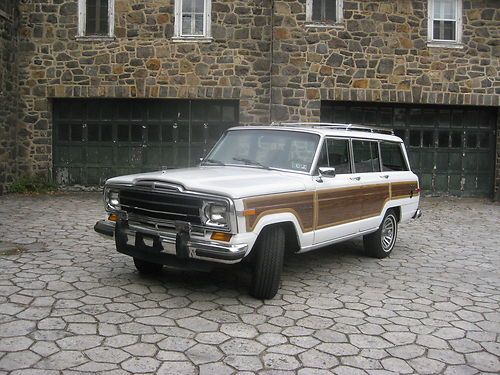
(6,8)
(445,21)
(324,11)
(96,18)
(192,19)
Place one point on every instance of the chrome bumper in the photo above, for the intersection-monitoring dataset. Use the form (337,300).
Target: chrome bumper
(134,238)
(417,214)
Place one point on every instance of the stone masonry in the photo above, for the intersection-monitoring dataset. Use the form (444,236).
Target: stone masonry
(8,99)
(378,53)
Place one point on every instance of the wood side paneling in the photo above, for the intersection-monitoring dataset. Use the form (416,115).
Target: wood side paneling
(329,207)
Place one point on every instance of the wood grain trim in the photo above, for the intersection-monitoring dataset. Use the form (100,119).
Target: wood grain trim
(328,208)
(301,205)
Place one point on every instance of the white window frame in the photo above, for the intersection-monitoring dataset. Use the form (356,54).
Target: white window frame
(207,23)
(457,43)
(82,20)
(340,13)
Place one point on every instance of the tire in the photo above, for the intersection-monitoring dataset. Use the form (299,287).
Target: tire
(379,244)
(147,268)
(268,263)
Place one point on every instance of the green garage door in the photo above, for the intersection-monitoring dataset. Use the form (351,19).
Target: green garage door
(97,139)
(451,148)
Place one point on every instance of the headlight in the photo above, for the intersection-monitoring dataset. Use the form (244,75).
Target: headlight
(112,198)
(215,214)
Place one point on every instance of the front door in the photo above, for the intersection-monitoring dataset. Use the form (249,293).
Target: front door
(338,198)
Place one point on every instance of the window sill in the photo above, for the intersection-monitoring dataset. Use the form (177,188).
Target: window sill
(318,25)
(438,44)
(95,38)
(192,39)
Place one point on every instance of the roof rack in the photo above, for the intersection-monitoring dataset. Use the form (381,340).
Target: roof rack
(329,125)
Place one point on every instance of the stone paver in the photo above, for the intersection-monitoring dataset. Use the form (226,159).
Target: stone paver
(69,301)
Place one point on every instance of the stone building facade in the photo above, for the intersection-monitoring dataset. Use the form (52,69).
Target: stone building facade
(266,55)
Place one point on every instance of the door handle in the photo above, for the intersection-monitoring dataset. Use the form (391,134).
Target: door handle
(355,178)
(384,176)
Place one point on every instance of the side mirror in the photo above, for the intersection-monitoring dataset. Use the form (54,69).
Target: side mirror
(327,171)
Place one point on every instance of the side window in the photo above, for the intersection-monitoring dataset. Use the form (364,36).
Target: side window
(366,158)
(445,21)
(335,153)
(392,157)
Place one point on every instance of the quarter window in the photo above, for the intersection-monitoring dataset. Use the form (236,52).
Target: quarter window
(96,18)
(445,21)
(366,157)
(326,11)
(392,157)
(192,18)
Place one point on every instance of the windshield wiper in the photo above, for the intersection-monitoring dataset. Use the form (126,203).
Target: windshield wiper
(251,162)
(213,161)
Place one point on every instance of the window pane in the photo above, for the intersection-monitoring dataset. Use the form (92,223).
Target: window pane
(96,17)
(76,132)
(428,138)
(456,139)
(106,133)
(154,133)
(136,133)
(323,157)
(103,18)
(123,133)
(93,132)
(316,10)
(415,138)
(392,157)
(330,10)
(444,30)
(445,9)
(484,140)
(444,139)
(199,6)
(186,24)
(64,132)
(471,140)
(365,156)
(338,155)
(91,10)
(198,28)
(187,6)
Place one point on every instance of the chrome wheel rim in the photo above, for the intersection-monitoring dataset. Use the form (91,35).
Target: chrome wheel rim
(388,235)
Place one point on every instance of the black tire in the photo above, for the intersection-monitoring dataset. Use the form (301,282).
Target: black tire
(379,244)
(268,264)
(147,268)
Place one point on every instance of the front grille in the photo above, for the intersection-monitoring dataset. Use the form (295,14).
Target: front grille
(161,206)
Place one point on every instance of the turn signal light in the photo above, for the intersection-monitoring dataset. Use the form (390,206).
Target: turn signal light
(113,217)
(219,236)
(250,212)
(418,190)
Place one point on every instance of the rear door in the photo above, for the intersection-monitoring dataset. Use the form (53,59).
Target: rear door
(375,185)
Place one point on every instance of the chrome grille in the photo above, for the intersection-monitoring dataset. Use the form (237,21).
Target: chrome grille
(161,206)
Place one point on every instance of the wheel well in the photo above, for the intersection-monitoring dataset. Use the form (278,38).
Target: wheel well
(292,244)
(397,211)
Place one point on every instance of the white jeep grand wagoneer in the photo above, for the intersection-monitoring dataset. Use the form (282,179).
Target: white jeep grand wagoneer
(263,191)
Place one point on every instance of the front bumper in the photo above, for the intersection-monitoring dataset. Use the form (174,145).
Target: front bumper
(131,240)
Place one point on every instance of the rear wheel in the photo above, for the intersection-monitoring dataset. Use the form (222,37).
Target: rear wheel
(268,263)
(379,244)
(147,268)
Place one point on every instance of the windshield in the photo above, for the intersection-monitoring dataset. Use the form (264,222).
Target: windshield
(266,149)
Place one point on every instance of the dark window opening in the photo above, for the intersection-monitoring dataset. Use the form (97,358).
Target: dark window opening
(97,17)
(324,10)
(392,157)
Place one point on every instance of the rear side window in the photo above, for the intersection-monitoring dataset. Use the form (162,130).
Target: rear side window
(392,157)
(335,153)
(366,158)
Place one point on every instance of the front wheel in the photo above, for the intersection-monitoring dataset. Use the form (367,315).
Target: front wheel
(147,268)
(379,244)
(268,264)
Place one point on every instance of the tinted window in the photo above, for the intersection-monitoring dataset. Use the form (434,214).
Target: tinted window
(365,156)
(392,157)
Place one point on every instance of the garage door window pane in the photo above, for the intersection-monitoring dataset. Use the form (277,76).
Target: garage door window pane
(392,157)
(471,140)
(106,133)
(76,132)
(123,133)
(456,139)
(93,133)
(167,133)
(427,138)
(136,133)
(484,140)
(154,133)
(64,132)
(415,138)
(444,139)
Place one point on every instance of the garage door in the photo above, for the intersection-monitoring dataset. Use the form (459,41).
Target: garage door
(98,139)
(451,148)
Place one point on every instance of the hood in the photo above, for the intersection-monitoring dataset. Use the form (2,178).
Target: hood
(233,182)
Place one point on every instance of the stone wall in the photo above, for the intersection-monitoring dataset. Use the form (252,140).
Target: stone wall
(8,100)
(380,53)
(142,61)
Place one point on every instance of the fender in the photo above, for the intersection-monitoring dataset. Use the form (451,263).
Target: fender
(304,239)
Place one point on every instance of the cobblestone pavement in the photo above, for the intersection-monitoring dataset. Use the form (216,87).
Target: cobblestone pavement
(70,304)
